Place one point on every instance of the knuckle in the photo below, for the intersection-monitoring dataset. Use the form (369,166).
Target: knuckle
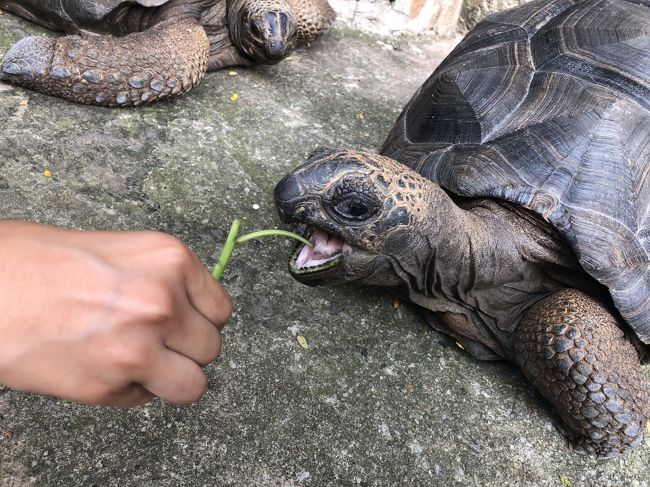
(159,239)
(128,357)
(175,253)
(156,303)
(167,248)
(164,309)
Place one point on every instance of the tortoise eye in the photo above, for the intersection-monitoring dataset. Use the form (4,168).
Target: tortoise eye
(353,209)
(354,200)
(255,29)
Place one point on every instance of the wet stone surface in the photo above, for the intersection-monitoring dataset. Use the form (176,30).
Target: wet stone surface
(377,398)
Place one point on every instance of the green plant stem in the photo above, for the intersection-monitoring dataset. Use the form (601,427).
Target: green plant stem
(228,247)
(271,233)
(232,240)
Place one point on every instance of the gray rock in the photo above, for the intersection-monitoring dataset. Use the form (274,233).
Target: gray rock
(377,399)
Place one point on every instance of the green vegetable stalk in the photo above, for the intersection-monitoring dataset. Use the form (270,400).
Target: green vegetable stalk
(233,240)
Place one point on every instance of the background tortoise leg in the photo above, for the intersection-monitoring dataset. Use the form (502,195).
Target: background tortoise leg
(569,346)
(312,17)
(165,60)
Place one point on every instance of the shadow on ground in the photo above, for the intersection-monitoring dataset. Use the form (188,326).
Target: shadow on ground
(376,399)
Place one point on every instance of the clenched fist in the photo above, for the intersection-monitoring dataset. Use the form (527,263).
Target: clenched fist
(110,318)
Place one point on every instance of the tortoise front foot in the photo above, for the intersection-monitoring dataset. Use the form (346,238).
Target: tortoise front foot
(30,59)
(163,61)
(313,18)
(570,347)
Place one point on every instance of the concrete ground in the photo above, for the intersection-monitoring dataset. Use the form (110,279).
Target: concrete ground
(377,398)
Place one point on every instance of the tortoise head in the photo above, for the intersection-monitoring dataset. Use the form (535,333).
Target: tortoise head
(367,215)
(263,30)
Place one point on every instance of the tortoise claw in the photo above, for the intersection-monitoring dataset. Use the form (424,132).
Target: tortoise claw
(28,61)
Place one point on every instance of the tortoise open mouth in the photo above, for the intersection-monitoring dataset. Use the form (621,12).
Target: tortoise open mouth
(326,254)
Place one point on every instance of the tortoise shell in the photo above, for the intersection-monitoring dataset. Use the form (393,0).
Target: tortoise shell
(70,15)
(548,106)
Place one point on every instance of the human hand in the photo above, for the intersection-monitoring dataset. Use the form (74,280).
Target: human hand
(110,318)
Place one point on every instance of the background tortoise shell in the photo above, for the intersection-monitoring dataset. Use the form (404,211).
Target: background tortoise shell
(548,106)
(70,15)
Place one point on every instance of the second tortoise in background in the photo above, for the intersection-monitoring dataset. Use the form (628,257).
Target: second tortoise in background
(511,201)
(120,53)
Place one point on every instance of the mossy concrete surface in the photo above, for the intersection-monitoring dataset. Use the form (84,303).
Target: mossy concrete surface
(376,399)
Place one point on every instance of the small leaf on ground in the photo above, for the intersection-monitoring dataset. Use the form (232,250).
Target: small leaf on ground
(565,481)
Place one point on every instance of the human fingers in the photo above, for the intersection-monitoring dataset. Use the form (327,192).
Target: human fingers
(207,295)
(132,395)
(127,396)
(174,377)
(194,337)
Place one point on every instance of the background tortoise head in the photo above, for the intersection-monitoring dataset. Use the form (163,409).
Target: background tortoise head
(264,30)
(362,211)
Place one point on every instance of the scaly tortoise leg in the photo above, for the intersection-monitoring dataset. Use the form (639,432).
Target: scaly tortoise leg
(569,346)
(165,60)
(313,18)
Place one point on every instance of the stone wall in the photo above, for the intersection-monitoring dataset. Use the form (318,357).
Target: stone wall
(442,17)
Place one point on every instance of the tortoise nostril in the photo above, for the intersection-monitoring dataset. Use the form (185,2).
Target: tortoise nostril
(276,49)
(287,189)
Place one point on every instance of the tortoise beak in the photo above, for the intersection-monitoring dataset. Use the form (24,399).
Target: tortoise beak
(276,44)
(276,50)
(310,267)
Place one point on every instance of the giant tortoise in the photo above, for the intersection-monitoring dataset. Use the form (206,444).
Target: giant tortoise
(511,202)
(121,53)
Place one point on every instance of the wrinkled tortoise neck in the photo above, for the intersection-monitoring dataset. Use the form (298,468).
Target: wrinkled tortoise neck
(459,249)
(442,232)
